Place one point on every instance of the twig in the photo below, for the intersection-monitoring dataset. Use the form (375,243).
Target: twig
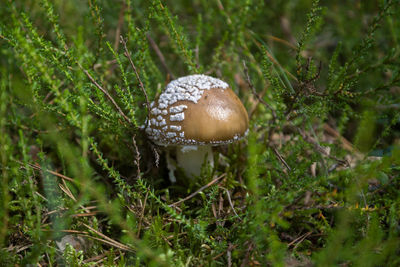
(142,215)
(105,92)
(247,256)
(220,206)
(160,55)
(199,190)
(230,248)
(281,159)
(230,201)
(246,72)
(344,142)
(320,149)
(229,256)
(137,156)
(222,253)
(306,85)
(214,210)
(128,55)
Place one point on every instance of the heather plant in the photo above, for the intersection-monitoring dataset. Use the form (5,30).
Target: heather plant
(315,183)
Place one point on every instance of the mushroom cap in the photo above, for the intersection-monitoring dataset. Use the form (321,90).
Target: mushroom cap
(197,110)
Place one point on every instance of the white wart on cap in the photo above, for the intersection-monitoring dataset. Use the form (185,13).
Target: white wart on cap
(197,110)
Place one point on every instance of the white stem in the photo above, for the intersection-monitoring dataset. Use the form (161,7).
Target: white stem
(192,158)
(171,168)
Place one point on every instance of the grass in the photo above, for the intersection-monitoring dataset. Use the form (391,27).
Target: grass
(315,183)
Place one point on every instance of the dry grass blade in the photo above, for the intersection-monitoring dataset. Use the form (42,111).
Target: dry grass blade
(199,190)
(113,244)
(55,211)
(108,240)
(67,192)
(18,249)
(229,200)
(39,168)
(74,232)
(89,214)
(282,41)
(230,203)
(298,240)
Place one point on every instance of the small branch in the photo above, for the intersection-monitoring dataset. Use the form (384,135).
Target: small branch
(343,141)
(128,55)
(137,156)
(229,249)
(199,190)
(105,93)
(291,105)
(246,72)
(320,149)
(230,202)
(160,55)
(248,251)
(142,215)
(281,159)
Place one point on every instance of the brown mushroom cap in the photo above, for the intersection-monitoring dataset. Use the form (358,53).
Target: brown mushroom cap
(197,110)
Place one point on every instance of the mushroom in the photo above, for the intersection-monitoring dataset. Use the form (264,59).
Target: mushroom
(193,114)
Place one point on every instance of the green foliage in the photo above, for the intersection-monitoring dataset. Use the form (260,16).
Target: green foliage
(314,183)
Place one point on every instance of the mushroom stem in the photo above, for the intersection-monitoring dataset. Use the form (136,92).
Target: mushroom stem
(192,158)
(171,165)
